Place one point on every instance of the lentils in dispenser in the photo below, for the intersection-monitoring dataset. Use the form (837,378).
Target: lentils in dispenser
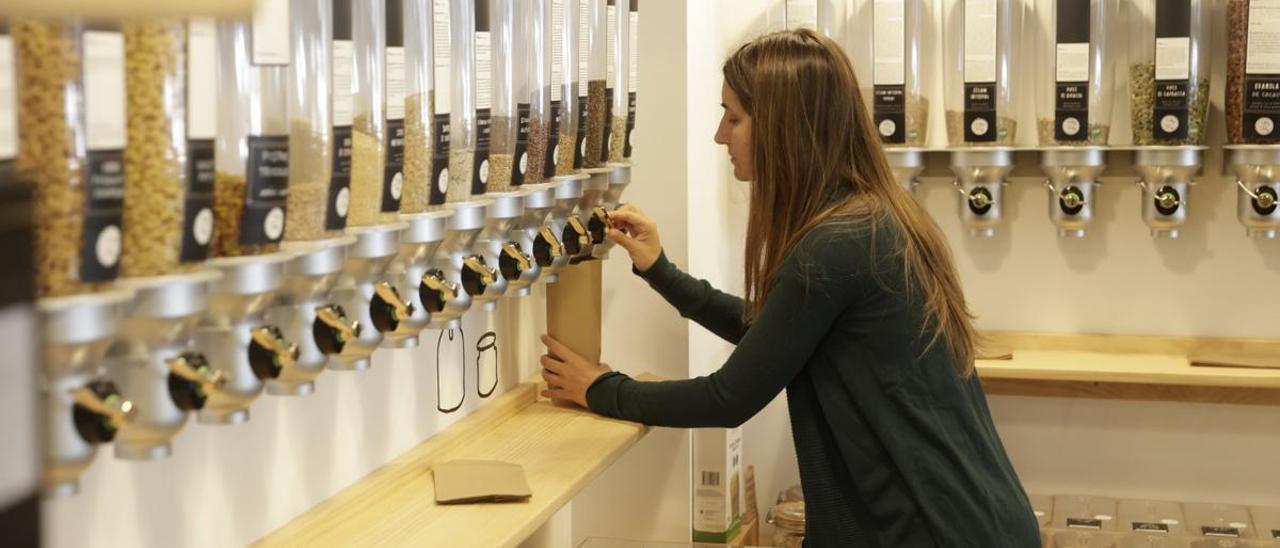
(505,116)
(564,82)
(1169,71)
(538,82)
(171,124)
(1075,64)
(592,70)
(1253,72)
(319,193)
(617,74)
(252,147)
(73,155)
(419,107)
(981,69)
(897,62)
(369,127)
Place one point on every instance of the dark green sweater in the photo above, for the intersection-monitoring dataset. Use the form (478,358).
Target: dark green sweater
(894,447)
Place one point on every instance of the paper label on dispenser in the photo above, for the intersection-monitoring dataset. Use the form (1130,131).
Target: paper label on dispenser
(198,205)
(395,83)
(339,199)
(270,32)
(584,51)
(441,40)
(553,141)
(557,50)
(1071,70)
(104,90)
(484,102)
(1262,71)
(634,77)
(980,17)
(266,189)
(202,79)
(611,41)
(8,101)
(1171,105)
(889,43)
(521,160)
(104,207)
(440,160)
(343,68)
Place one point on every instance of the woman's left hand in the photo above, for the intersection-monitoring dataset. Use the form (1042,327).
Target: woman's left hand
(568,374)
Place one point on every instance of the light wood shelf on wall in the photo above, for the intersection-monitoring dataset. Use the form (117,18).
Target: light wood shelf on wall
(561,448)
(1132,367)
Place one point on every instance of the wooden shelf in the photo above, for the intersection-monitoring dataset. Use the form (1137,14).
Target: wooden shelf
(1130,367)
(561,448)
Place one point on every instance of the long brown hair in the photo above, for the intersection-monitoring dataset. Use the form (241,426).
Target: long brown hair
(817,155)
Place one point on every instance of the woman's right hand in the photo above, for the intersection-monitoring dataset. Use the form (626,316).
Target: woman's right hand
(636,233)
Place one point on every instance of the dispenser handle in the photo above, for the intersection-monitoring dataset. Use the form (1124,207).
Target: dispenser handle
(1049,185)
(110,405)
(335,318)
(1246,190)
(392,297)
(273,341)
(195,368)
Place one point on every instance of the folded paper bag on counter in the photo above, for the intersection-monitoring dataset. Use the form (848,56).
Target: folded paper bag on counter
(574,309)
(466,481)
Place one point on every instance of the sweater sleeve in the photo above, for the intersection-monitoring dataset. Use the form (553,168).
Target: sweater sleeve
(813,287)
(715,310)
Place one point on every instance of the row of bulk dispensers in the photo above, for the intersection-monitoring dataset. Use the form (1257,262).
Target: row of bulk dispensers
(127,361)
(1169,107)
(128,365)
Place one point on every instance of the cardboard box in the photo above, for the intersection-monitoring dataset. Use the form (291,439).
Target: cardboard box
(717,480)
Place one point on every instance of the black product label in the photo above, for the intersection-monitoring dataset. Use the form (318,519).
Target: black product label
(440,160)
(608,125)
(340,182)
(891,113)
(1261,106)
(197,217)
(580,148)
(1147,527)
(1071,101)
(631,122)
(521,160)
(980,113)
(341,19)
(395,25)
(1211,531)
(1171,107)
(266,189)
(1084,523)
(104,208)
(480,167)
(553,140)
(393,175)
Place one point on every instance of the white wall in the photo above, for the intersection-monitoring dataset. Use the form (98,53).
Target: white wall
(1212,281)
(229,485)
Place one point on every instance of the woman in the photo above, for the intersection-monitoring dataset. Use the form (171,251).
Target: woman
(852,305)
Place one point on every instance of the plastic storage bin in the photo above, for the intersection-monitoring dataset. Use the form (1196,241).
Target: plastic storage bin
(319,193)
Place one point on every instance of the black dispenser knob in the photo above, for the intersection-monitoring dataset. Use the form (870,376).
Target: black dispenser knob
(270,352)
(333,330)
(436,292)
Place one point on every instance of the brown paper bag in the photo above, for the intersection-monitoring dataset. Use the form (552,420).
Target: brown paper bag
(574,309)
(463,481)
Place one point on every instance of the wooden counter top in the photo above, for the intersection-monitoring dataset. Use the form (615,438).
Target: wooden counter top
(1130,367)
(561,449)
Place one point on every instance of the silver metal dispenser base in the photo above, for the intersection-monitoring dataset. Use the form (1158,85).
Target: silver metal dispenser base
(567,227)
(419,243)
(505,209)
(148,365)
(1166,174)
(306,314)
(367,296)
(234,338)
(1257,172)
(75,334)
(591,210)
(619,179)
(533,237)
(907,164)
(1072,175)
(980,179)
(445,282)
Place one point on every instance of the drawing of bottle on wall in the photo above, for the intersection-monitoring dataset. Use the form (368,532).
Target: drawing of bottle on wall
(451,370)
(487,364)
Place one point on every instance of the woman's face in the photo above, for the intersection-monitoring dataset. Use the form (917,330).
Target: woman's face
(735,134)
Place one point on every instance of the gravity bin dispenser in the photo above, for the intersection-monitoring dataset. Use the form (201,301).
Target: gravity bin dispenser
(1075,92)
(980,76)
(1253,119)
(1168,104)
